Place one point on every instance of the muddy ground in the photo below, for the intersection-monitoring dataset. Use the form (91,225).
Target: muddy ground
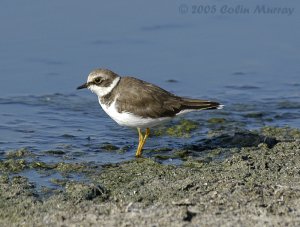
(242,179)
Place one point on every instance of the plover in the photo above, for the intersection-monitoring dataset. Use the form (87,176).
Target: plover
(135,103)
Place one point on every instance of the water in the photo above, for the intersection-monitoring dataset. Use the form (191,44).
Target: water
(249,62)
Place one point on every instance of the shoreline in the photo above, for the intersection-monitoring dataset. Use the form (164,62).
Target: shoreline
(245,179)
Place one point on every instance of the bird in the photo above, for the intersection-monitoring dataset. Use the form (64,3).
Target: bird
(138,104)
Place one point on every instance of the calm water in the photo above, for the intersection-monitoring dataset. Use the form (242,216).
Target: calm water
(248,61)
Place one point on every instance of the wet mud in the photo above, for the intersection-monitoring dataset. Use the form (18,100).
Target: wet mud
(245,178)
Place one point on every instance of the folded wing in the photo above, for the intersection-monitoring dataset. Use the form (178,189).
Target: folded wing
(150,101)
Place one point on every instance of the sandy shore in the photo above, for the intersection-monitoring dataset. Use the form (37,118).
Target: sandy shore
(244,179)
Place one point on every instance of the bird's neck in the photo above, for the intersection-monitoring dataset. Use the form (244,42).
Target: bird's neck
(110,96)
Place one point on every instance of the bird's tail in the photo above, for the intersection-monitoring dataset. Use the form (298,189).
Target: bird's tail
(196,104)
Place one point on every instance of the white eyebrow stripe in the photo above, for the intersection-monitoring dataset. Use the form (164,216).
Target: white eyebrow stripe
(102,91)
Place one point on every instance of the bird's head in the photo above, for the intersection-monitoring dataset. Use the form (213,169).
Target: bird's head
(101,81)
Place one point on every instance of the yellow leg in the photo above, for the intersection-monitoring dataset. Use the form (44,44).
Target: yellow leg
(141,137)
(139,150)
(142,141)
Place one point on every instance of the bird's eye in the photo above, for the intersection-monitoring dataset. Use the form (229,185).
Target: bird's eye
(97,80)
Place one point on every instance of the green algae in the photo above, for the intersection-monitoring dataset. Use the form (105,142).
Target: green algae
(59,182)
(113,148)
(182,129)
(162,157)
(158,150)
(282,133)
(289,105)
(4,178)
(254,115)
(124,148)
(165,153)
(109,147)
(216,120)
(20,153)
(55,152)
(71,167)
(45,191)
(176,154)
(13,165)
(182,154)
(40,165)
(18,165)
(62,166)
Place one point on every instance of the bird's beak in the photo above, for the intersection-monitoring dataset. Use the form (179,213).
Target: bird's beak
(86,85)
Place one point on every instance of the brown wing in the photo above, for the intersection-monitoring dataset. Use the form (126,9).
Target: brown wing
(148,100)
(145,99)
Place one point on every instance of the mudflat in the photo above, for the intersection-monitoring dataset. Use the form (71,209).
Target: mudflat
(241,179)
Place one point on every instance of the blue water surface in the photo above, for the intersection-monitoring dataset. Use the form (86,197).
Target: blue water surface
(247,61)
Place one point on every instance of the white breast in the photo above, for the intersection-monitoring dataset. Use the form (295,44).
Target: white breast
(129,119)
